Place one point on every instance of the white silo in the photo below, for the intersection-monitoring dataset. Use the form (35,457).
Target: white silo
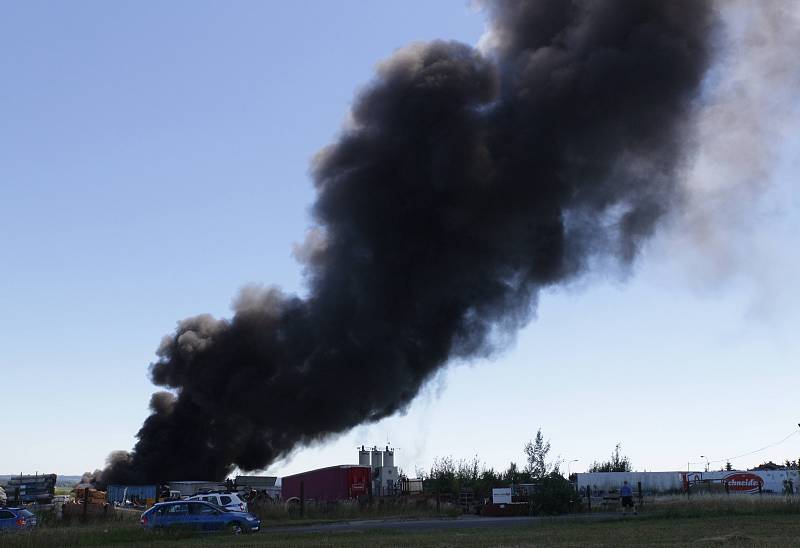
(377,459)
(389,473)
(388,457)
(363,457)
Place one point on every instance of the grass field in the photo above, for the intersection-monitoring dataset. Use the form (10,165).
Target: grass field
(710,522)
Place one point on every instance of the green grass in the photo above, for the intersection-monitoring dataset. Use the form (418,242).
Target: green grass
(781,530)
(708,521)
(281,515)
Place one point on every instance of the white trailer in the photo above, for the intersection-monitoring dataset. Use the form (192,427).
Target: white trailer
(652,482)
(732,481)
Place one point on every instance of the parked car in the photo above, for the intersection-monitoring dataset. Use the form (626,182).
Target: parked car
(199,515)
(16,519)
(231,501)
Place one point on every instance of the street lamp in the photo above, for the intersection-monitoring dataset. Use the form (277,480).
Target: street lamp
(568,463)
(690,463)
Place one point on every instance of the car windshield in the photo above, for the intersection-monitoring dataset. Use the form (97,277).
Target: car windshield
(25,513)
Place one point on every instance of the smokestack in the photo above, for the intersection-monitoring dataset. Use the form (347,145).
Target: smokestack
(468,181)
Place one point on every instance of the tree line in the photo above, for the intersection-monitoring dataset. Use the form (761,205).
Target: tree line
(450,476)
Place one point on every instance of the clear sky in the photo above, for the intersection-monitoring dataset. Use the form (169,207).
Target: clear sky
(154,158)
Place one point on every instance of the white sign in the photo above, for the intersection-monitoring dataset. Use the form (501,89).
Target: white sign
(501,495)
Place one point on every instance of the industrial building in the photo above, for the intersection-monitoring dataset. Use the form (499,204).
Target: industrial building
(385,476)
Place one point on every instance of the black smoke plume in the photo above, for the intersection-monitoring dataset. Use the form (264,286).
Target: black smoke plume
(466,182)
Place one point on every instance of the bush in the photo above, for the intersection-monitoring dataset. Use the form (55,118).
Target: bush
(553,495)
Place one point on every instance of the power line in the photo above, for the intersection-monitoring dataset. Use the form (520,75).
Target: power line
(794,432)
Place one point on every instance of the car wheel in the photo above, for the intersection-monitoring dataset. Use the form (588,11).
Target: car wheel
(235,528)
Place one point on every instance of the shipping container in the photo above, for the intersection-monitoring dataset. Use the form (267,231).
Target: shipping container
(263,485)
(255,482)
(136,494)
(343,482)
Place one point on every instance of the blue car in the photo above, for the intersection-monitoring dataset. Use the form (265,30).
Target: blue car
(16,519)
(199,515)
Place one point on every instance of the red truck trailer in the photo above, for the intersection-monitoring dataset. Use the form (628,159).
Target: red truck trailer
(343,482)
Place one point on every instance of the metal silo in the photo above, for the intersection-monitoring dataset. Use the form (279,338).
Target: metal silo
(363,457)
(388,457)
(377,457)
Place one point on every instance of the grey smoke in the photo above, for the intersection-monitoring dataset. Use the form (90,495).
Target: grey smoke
(752,108)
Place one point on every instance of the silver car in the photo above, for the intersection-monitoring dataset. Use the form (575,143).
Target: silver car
(229,501)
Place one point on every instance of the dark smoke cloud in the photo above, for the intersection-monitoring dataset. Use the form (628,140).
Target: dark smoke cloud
(467,181)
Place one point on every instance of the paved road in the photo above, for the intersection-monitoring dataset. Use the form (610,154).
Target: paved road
(462,522)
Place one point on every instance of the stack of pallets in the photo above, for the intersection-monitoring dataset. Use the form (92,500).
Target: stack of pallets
(27,489)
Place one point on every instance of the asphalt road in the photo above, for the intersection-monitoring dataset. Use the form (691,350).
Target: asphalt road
(462,522)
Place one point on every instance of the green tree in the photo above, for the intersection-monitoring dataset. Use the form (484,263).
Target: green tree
(512,474)
(536,452)
(447,476)
(617,463)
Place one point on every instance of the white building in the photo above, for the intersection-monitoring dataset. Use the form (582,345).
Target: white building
(385,475)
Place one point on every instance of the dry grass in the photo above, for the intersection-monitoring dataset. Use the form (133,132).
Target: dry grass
(723,505)
(671,521)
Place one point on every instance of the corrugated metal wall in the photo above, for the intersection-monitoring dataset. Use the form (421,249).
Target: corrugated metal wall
(121,493)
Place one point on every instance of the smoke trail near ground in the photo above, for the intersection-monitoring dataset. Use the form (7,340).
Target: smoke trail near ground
(467,181)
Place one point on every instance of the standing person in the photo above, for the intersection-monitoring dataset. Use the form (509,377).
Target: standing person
(626,493)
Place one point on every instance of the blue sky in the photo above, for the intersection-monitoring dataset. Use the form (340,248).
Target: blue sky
(154,158)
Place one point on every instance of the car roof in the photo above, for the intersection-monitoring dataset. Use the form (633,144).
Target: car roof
(182,501)
(185,501)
